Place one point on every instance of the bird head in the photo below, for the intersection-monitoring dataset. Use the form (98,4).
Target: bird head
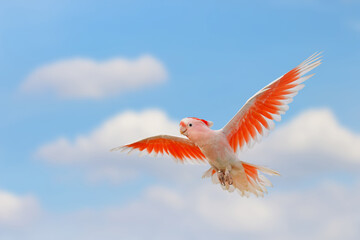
(190,124)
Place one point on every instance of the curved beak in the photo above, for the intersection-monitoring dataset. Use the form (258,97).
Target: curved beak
(183,130)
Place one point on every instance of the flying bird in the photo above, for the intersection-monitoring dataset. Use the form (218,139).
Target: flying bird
(220,148)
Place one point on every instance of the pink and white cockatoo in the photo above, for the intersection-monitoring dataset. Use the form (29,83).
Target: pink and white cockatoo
(220,148)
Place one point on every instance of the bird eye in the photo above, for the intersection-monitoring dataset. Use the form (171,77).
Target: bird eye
(190,124)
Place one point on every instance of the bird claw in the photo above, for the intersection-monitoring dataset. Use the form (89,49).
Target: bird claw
(225,177)
(221,176)
(228,177)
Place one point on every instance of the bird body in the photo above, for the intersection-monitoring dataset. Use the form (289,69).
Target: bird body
(230,171)
(220,148)
(212,143)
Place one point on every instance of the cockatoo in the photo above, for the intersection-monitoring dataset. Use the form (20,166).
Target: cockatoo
(220,148)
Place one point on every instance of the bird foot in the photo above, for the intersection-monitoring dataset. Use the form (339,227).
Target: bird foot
(221,176)
(225,177)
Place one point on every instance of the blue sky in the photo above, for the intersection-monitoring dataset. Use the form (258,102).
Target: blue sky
(215,55)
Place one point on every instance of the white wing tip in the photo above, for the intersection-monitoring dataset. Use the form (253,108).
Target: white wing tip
(120,148)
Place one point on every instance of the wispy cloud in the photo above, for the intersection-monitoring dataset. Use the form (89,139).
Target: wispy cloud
(183,206)
(91,150)
(87,78)
(201,211)
(17,210)
(312,142)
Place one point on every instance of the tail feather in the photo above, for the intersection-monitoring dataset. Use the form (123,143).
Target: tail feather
(256,183)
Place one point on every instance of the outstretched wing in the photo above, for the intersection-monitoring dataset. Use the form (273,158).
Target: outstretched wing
(257,116)
(180,148)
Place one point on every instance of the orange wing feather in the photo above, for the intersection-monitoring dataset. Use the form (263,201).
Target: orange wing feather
(180,148)
(258,113)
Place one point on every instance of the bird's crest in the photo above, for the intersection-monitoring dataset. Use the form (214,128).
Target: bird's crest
(207,123)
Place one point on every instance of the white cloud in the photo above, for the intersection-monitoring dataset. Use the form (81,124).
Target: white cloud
(312,142)
(165,197)
(234,214)
(86,78)
(91,151)
(202,212)
(293,214)
(182,206)
(17,210)
(318,130)
(121,129)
